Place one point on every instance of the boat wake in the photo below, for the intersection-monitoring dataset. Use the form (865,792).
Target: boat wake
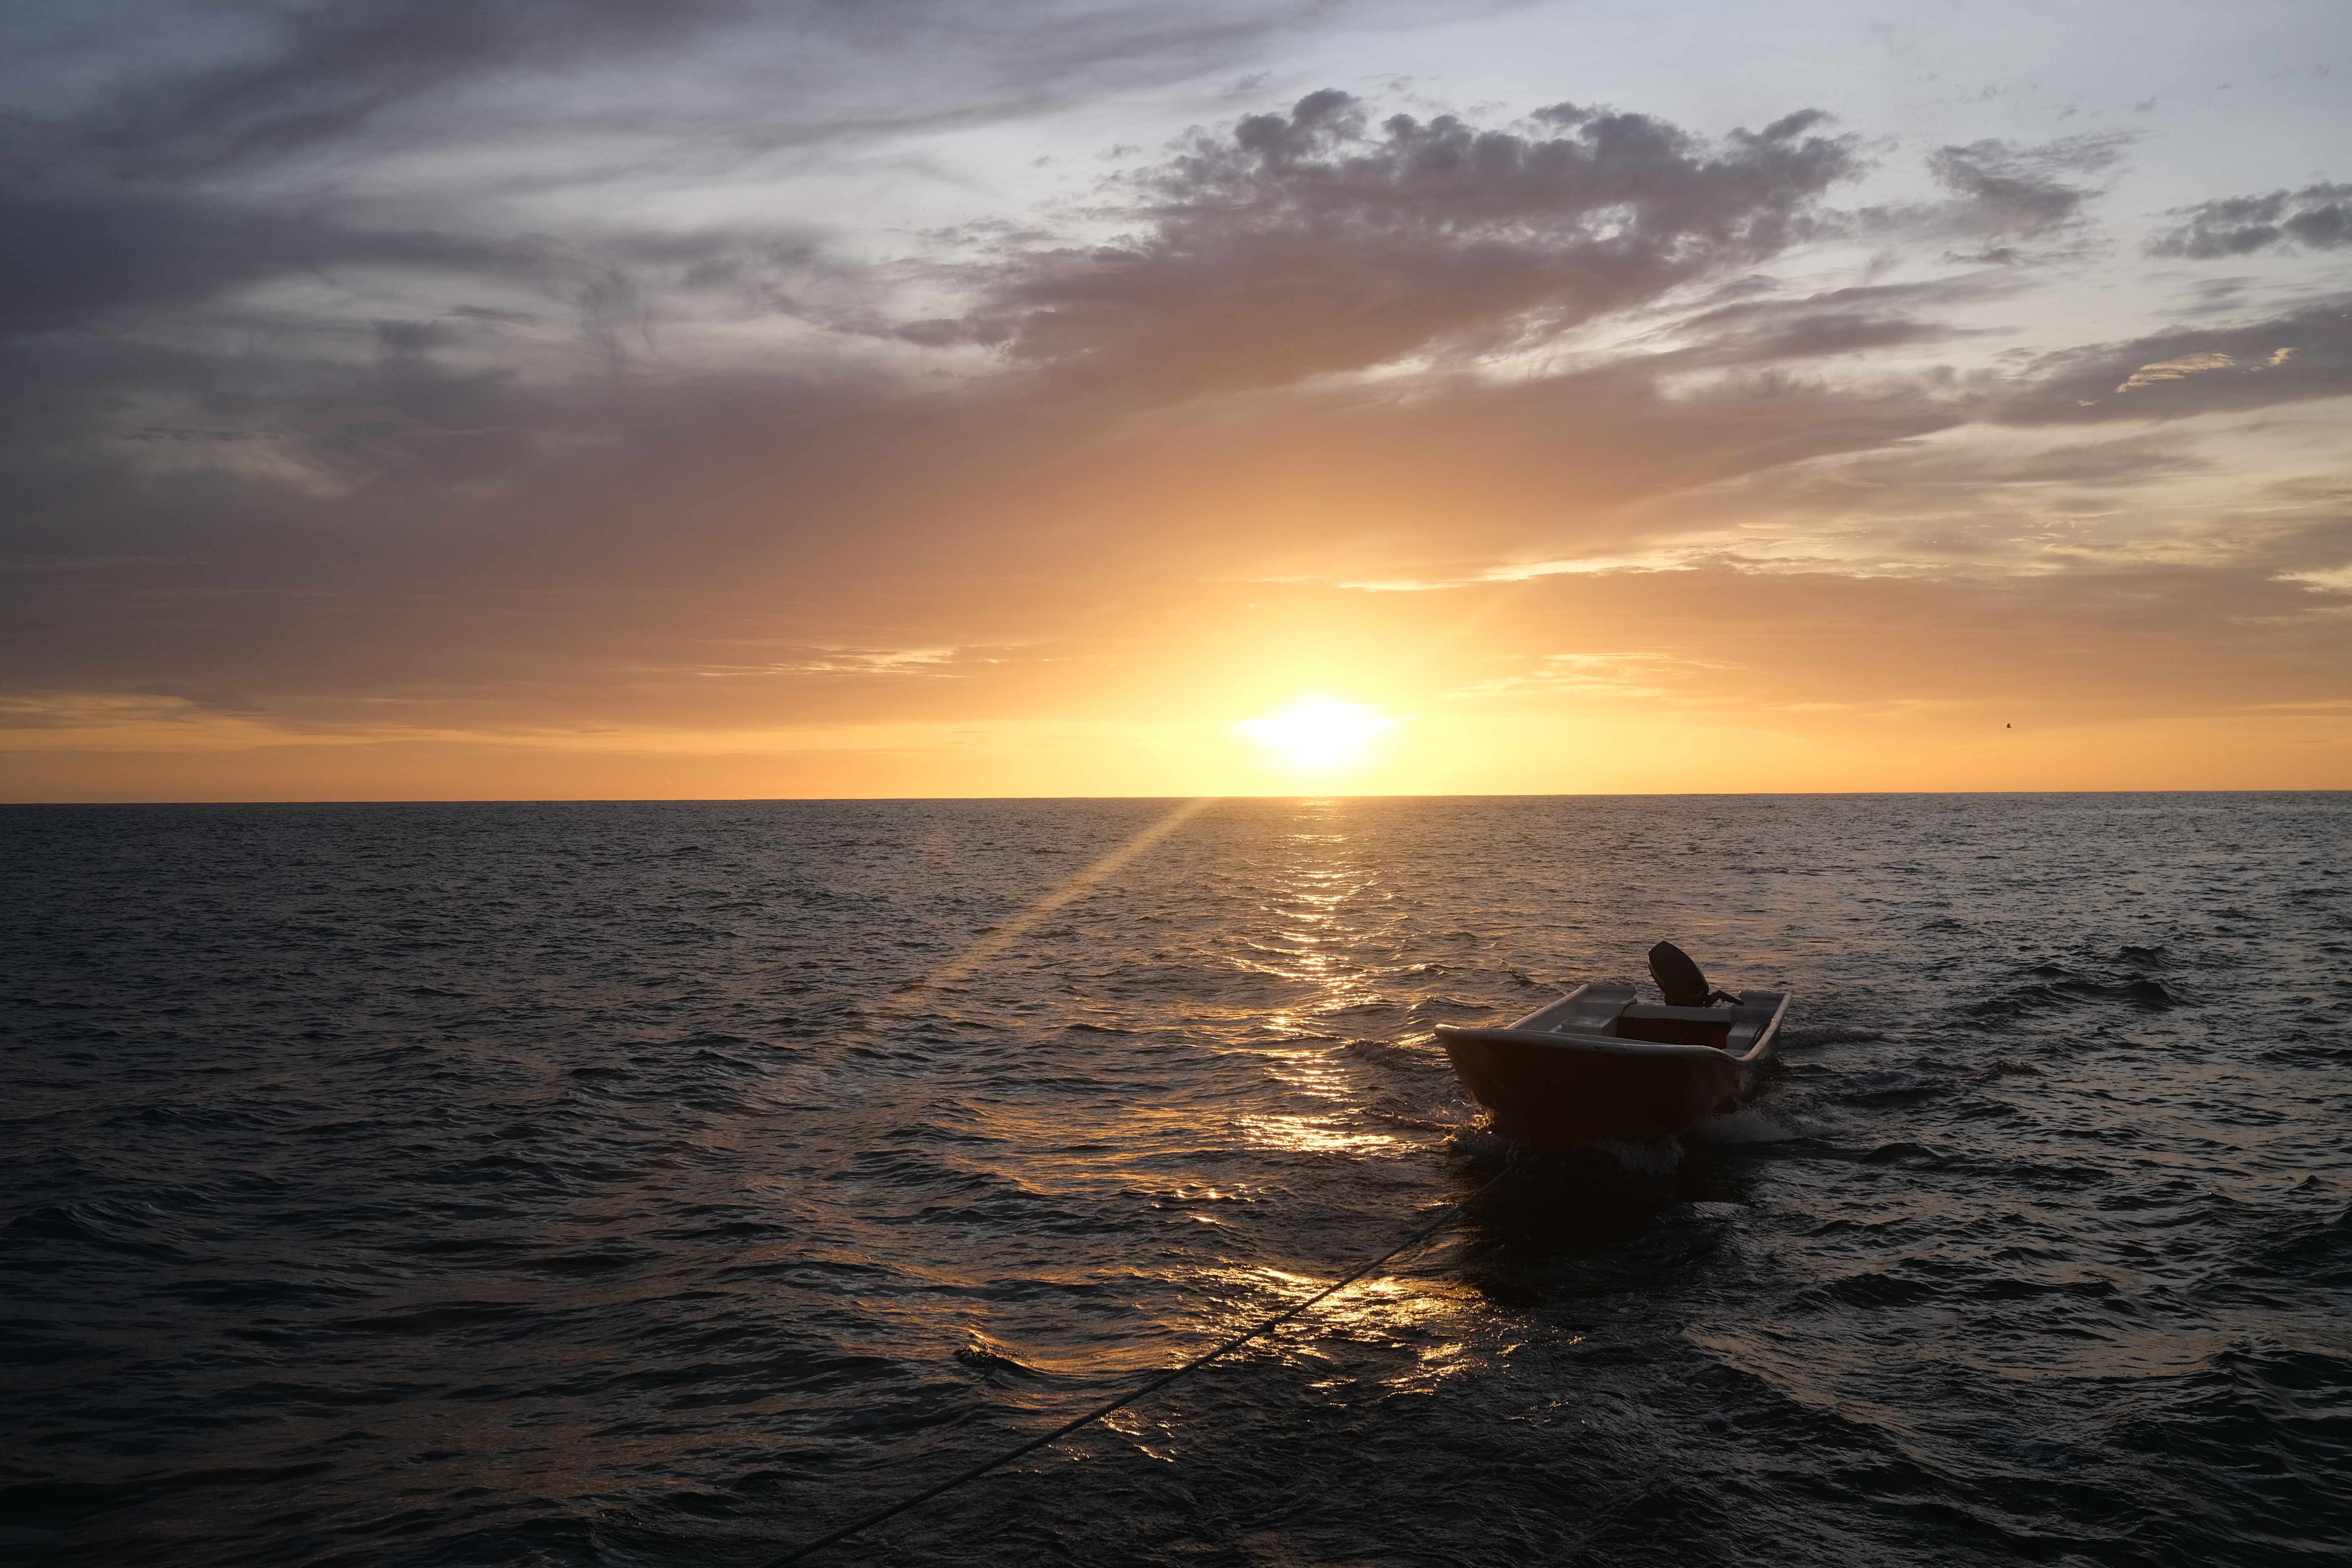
(1751,1124)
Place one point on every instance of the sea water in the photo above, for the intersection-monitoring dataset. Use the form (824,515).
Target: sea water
(666,1183)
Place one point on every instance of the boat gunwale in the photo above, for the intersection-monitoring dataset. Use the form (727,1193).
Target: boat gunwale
(1611,1045)
(1619,1045)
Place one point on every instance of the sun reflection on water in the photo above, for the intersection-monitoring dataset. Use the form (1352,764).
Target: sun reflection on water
(1310,1134)
(1320,924)
(1388,1335)
(1313,927)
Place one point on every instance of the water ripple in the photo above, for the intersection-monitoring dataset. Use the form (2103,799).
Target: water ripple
(657,1182)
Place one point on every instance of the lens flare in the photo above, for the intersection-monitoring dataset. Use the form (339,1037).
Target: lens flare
(1316,734)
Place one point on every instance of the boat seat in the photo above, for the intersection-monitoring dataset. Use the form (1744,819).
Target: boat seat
(1675,1025)
(1593,1010)
(1594,1015)
(1695,1014)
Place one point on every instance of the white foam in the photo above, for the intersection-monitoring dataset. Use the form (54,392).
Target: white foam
(1658,1159)
(1748,1124)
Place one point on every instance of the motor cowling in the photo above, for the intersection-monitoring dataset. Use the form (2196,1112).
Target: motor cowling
(1679,979)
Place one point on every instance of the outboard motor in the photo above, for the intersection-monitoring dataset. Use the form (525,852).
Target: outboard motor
(1678,978)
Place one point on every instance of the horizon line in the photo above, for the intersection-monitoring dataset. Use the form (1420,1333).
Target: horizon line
(1298,796)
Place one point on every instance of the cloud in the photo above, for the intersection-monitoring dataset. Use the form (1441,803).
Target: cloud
(1289,245)
(2123,638)
(340,63)
(2317,217)
(765,73)
(73,257)
(286,411)
(2188,364)
(1647,675)
(2006,191)
(2017,189)
(1832,321)
(2287,358)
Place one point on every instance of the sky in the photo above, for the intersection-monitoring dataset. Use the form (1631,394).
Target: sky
(529,399)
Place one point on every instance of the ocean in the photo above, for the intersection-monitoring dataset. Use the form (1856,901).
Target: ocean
(667,1183)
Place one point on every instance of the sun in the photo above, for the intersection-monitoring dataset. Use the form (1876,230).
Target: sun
(1316,734)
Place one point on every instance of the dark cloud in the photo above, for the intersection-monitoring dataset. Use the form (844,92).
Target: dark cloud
(1931,477)
(2288,359)
(399,525)
(2131,461)
(2012,202)
(338,64)
(2113,641)
(481,491)
(72,256)
(2317,217)
(133,204)
(2015,189)
(1285,245)
(832,70)
(1834,322)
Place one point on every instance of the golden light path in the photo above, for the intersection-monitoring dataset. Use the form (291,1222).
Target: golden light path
(1393,1333)
(1020,925)
(1314,734)
(1413,1322)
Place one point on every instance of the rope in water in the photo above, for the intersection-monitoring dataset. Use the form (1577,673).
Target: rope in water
(1444,1217)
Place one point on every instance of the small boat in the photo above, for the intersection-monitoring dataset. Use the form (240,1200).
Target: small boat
(1599,1065)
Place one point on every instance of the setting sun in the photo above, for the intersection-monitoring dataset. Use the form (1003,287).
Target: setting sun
(1315,734)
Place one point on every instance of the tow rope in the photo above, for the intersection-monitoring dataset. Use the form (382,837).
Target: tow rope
(1445,1217)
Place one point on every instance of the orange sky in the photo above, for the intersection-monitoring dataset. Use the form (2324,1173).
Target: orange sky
(573,412)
